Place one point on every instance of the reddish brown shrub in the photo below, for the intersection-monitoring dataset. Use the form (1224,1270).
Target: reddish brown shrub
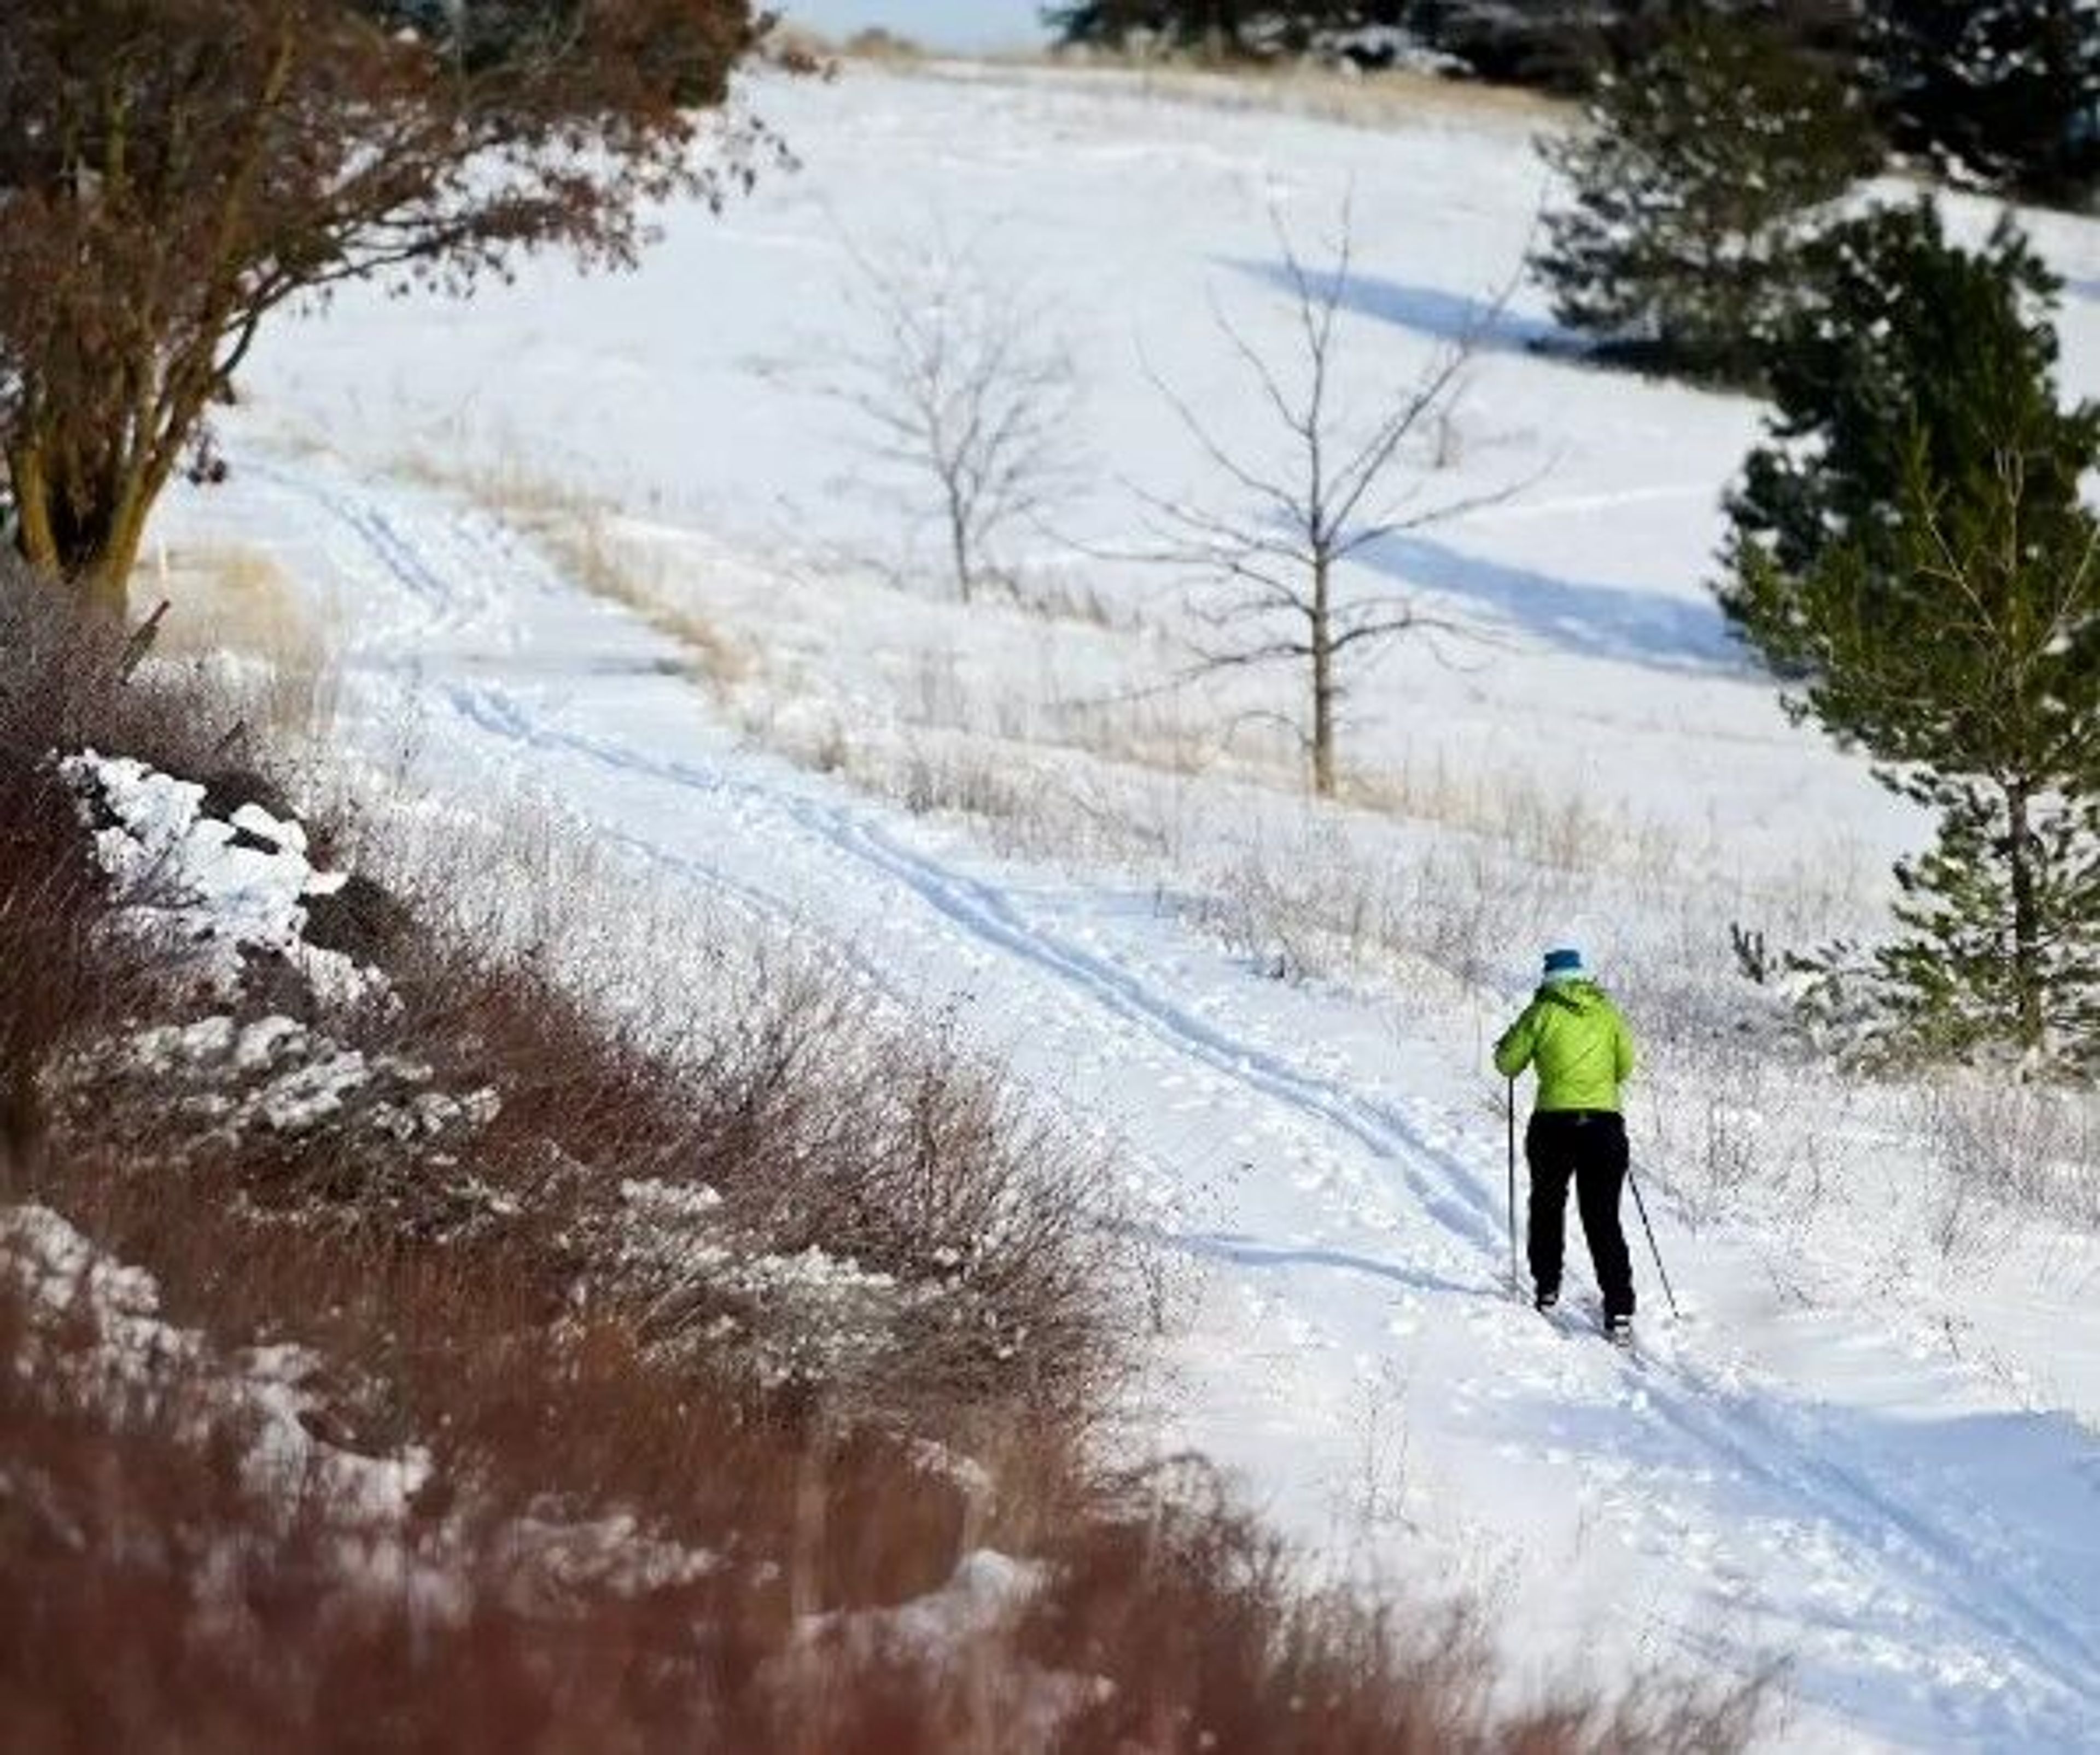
(542,1589)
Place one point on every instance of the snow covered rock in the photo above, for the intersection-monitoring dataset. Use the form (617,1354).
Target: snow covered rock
(220,893)
(230,898)
(94,1325)
(372,1128)
(277,1074)
(94,1336)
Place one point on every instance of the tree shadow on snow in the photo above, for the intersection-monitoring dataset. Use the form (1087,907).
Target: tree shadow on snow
(1430,311)
(1240,1251)
(1593,620)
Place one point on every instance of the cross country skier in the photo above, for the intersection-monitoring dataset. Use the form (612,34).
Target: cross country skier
(1579,1042)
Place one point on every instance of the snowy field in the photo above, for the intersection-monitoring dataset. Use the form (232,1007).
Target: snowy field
(1868,1446)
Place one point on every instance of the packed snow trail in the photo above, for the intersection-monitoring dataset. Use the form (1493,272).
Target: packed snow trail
(1926,1555)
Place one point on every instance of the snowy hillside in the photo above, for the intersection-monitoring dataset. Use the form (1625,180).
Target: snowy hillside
(620,548)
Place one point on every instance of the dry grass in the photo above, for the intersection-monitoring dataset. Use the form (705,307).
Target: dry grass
(1550,827)
(1218,1643)
(581,544)
(158,1599)
(1169,779)
(234,609)
(156,1602)
(1992,1145)
(574,529)
(1396,98)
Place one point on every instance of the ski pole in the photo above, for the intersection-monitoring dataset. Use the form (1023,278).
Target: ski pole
(1643,1205)
(1516,1282)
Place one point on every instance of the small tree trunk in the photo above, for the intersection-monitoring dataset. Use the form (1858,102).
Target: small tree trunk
(37,537)
(1323,684)
(958,548)
(86,532)
(2026,918)
(21,1121)
(106,580)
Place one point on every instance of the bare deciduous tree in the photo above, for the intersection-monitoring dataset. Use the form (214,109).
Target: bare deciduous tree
(966,383)
(172,171)
(1272,559)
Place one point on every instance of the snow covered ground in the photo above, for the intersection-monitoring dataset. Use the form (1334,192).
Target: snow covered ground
(1868,1449)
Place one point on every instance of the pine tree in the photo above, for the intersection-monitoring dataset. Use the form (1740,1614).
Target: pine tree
(1553,43)
(1110,24)
(1692,184)
(1565,45)
(1237,28)
(1912,554)
(2004,92)
(1959,982)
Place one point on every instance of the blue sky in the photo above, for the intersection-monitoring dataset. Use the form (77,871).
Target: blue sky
(939,24)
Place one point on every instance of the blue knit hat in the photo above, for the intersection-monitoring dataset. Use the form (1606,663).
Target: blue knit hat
(1565,961)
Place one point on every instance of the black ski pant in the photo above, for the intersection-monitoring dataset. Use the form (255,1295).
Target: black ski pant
(1587,1147)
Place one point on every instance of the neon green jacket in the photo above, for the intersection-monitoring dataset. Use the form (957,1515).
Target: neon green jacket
(1578,1039)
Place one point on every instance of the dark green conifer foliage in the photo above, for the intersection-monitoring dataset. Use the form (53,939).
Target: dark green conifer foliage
(1693,185)
(2007,92)
(1108,24)
(1227,28)
(1559,44)
(1899,329)
(1912,554)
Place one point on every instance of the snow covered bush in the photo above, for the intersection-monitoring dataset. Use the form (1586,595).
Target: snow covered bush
(91,1328)
(810,1321)
(218,906)
(860,1213)
(343,1131)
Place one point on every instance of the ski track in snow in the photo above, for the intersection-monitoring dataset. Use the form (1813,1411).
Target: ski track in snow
(986,915)
(1889,1571)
